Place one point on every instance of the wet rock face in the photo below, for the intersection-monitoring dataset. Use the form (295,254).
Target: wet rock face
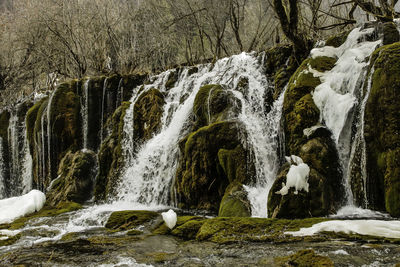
(76,176)
(212,104)
(200,179)
(213,156)
(148,111)
(110,158)
(382,128)
(314,144)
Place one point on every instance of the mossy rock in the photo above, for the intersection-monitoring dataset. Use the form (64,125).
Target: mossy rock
(235,202)
(126,220)
(200,180)
(148,111)
(10,240)
(180,229)
(337,40)
(382,127)
(110,157)
(323,63)
(390,33)
(238,229)
(46,211)
(318,201)
(304,258)
(213,103)
(76,176)
(4,122)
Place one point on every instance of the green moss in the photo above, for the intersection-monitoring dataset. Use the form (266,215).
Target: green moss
(4,121)
(110,157)
(124,220)
(212,104)
(31,117)
(182,231)
(148,111)
(134,232)
(10,240)
(225,230)
(323,63)
(304,258)
(337,40)
(46,211)
(304,114)
(200,180)
(235,202)
(76,174)
(382,125)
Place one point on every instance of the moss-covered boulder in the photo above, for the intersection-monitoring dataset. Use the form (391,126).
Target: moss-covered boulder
(279,65)
(148,111)
(75,180)
(235,202)
(129,219)
(214,103)
(299,109)
(382,128)
(313,143)
(390,33)
(318,201)
(304,258)
(110,155)
(201,180)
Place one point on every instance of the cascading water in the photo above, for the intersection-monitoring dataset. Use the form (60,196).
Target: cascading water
(264,137)
(336,96)
(20,159)
(149,176)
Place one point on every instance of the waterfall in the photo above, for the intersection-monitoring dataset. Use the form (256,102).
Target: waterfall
(264,133)
(358,147)
(85,113)
(2,169)
(337,95)
(20,164)
(149,174)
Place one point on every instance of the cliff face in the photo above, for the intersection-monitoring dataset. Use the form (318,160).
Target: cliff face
(215,137)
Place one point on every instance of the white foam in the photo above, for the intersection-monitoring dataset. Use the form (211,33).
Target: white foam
(169,218)
(340,252)
(356,212)
(389,229)
(123,261)
(15,207)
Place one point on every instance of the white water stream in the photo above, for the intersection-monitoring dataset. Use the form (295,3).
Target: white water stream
(336,96)
(149,175)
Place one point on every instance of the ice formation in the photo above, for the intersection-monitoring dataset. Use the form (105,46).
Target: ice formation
(390,229)
(169,218)
(15,207)
(297,176)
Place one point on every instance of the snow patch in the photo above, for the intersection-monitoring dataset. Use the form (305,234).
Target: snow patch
(297,176)
(169,218)
(15,207)
(389,229)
